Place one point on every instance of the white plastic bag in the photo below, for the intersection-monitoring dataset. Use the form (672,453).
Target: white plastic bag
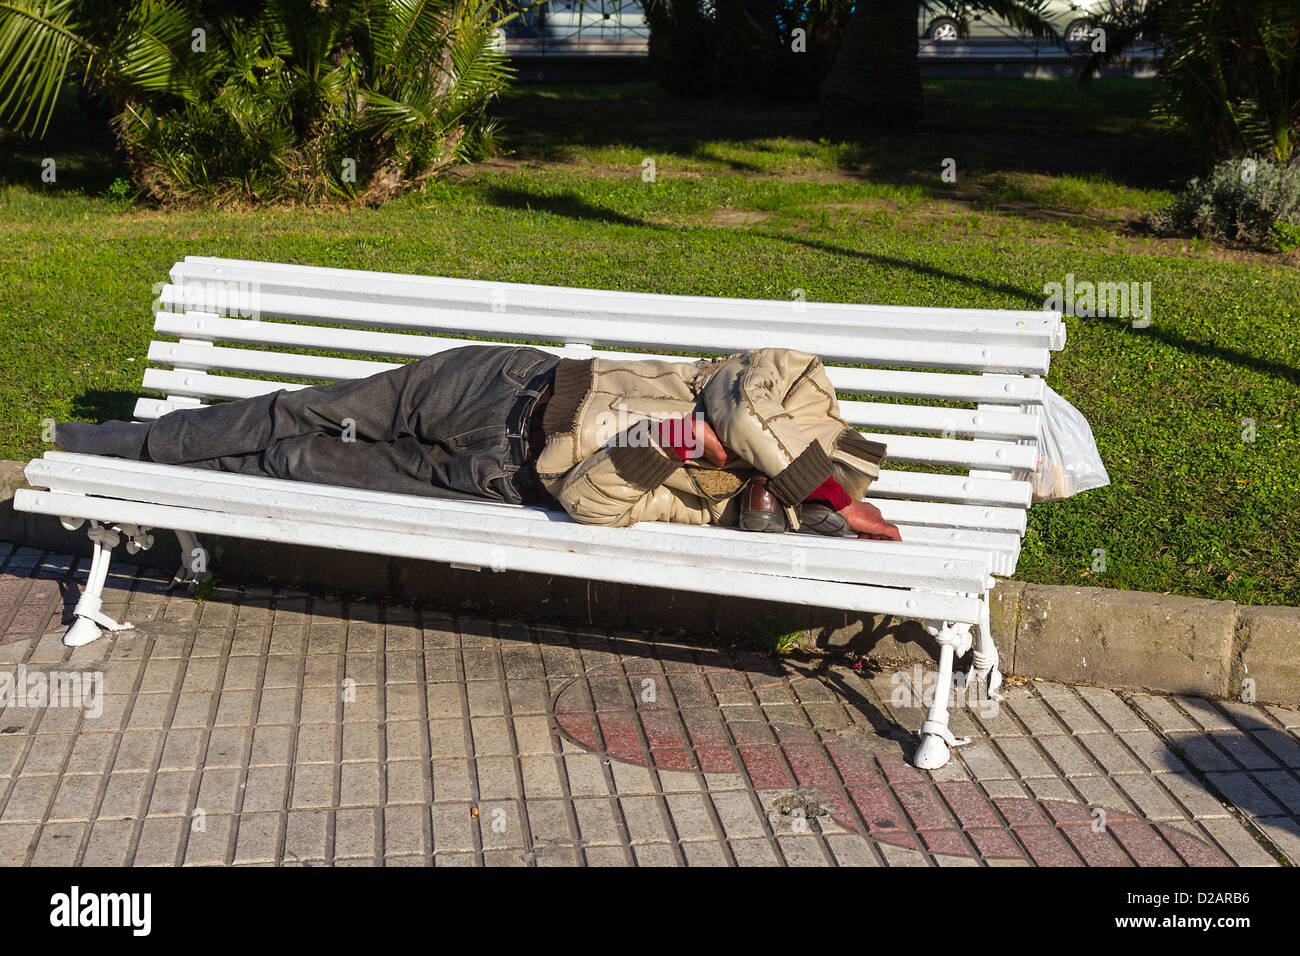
(1068,462)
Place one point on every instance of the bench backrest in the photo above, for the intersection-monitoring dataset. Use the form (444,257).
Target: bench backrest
(948,390)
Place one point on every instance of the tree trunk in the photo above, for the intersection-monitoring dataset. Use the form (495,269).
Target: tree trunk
(876,79)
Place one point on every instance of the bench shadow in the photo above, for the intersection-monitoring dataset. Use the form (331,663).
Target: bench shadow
(1205,349)
(100,405)
(1030,298)
(572,206)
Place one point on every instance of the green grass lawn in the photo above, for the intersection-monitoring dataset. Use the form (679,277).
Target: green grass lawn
(757,201)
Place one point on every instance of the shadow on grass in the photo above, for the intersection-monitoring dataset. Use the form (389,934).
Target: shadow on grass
(566,204)
(1207,349)
(83,150)
(101,405)
(1010,125)
(572,206)
(1028,296)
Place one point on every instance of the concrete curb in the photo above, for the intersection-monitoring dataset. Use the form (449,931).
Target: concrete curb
(1118,639)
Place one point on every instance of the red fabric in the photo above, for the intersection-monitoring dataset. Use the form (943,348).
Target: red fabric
(832,493)
(680,430)
(829,492)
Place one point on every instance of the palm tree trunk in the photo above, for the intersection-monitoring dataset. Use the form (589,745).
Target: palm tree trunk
(876,79)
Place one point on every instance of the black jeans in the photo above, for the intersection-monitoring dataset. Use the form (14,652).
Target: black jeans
(453,425)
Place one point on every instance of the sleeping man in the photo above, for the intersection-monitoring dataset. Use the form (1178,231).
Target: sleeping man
(752,440)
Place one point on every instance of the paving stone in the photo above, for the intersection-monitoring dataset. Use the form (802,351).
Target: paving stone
(1243,749)
(208,846)
(497,778)
(1117,714)
(632,779)
(597,823)
(1282,787)
(258,837)
(75,798)
(1142,843)
(306,836)
(1200,752)
(1050,788)
(644,819)
(1111,753)
(453,828)
(1026,759)
(754,853)
(1033,713)
(1070,708)
(1192,794)
(160,841)
(124,796)
(739,817)
(58,844)
(1100,792)
(1150,797)
(1003,788)
(1245,794)
(1162,712)
(1066,753)
(654,854)
(1239,844)
(802,851)
(1204,713)
(110,843)
(1284,832)
(1282,745)
(901,856)
(1154,753)
(500,825)
(1288,717)
(983,762)
(852,849)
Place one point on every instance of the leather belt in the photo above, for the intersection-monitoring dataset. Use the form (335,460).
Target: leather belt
(528,438)
(536,433)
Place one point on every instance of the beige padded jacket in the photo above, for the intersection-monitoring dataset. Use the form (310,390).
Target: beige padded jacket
(775,408)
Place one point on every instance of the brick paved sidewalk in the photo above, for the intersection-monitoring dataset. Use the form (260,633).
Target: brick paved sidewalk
(272,727)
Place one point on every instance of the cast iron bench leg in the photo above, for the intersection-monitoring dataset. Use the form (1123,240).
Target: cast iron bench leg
(89,617)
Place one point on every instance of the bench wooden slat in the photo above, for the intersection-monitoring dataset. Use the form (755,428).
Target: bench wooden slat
(182,487)
(924,486)
(1008,326)
(831,343)
(938,514)
(953,452)
(958,421)
(859,597)
(958,387)
(958,542)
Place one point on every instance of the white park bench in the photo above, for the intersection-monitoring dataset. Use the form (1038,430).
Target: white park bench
(963,388)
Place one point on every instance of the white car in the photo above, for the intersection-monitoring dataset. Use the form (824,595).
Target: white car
(942,23)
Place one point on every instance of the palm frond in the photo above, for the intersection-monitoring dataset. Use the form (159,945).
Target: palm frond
(38,41)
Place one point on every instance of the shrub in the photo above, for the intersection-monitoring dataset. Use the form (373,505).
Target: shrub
(1229,69)
(286,100)
(1252,201)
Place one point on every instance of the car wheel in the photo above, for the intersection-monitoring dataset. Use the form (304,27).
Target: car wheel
(943,29)
(1078,34)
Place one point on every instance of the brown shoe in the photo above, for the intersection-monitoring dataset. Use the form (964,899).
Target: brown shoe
(759,509)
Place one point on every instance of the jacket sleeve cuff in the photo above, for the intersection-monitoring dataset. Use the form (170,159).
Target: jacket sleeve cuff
(831,492)
(802,476)
(644,467)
